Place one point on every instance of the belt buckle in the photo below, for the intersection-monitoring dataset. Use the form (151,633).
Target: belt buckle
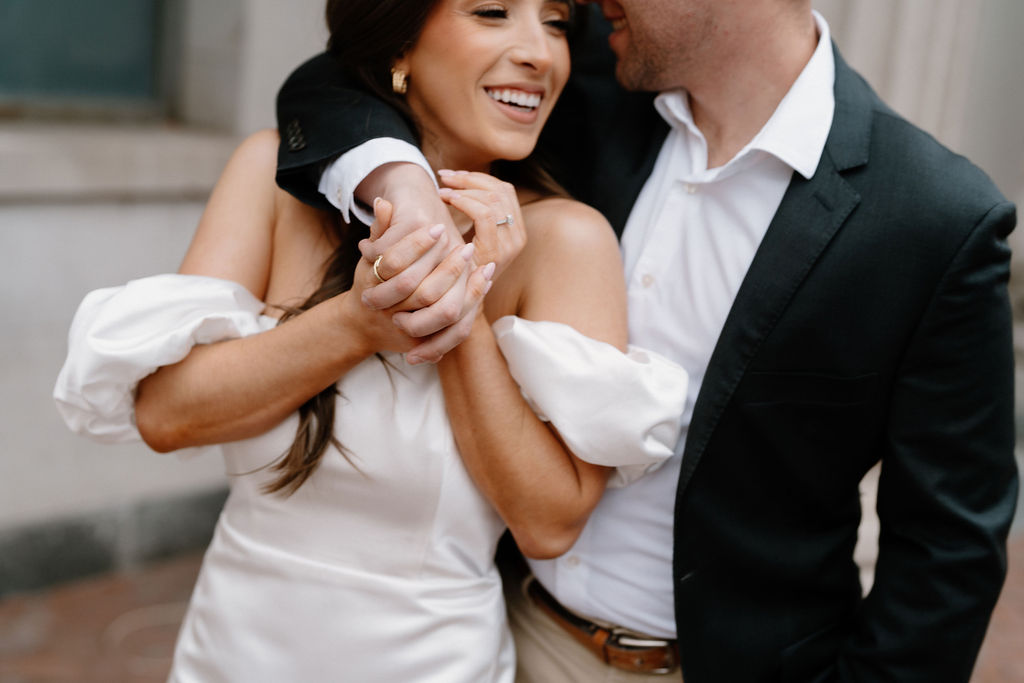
(593,635)
(627,639)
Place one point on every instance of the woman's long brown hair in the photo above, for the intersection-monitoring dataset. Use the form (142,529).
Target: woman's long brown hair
(366,36)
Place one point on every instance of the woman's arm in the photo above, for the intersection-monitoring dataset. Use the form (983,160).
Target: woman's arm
(569,272)
(254,234)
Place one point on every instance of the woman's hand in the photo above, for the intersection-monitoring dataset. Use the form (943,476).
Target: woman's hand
(498,231)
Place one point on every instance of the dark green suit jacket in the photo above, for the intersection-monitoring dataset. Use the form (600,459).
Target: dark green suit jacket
(873,324)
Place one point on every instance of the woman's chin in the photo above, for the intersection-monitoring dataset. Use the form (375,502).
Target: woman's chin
(516,152)
(514,157)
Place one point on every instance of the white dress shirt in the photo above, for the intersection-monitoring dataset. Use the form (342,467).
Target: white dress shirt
(687,245)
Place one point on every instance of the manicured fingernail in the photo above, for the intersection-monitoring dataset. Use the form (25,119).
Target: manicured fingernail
(436,230)
(488,272)
(412,360)
(462,173)
(445,172)
(376,201)
(488,285)
(467,252)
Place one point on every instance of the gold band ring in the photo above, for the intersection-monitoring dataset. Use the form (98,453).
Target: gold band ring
(376,263)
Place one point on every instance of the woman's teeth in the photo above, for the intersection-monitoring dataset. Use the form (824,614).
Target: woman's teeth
(516,97)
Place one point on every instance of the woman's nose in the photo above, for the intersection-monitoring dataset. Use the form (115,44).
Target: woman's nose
(532,48)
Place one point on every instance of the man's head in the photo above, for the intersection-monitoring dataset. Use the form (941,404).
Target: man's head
(665,44)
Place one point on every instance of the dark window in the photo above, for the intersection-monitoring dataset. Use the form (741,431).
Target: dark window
(80,55)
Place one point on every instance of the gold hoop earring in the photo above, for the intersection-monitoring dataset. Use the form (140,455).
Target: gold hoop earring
(399,81)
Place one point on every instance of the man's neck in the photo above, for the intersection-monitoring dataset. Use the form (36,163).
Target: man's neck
(734,100)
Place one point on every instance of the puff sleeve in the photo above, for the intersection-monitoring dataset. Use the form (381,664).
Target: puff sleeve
(120,335)
(616,409)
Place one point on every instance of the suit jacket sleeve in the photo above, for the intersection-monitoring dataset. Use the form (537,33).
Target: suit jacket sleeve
(321,114)
(948,487)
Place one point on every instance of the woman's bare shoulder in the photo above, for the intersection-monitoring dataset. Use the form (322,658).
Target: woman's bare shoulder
(240,234)
(571,270)
(255,160)
(562,222)
(567,236)
(249,173)
(262,145)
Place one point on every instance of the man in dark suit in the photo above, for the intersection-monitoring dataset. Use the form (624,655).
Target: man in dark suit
(835,282)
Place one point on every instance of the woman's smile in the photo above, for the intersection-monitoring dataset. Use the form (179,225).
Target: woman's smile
(518,103)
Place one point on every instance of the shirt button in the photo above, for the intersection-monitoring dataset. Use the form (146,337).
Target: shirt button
(340,196)
(573,561)
(647,280)
(691,188)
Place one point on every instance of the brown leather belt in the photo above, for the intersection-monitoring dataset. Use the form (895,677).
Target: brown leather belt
(616,647)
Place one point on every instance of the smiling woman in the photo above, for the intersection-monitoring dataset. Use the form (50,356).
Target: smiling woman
(368,488)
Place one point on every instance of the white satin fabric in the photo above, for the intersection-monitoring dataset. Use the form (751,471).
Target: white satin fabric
(613,409)
(380,567)
(121,334)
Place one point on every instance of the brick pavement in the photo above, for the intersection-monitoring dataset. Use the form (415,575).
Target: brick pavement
(116,628)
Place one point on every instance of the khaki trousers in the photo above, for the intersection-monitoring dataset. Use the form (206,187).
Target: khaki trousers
(546,653)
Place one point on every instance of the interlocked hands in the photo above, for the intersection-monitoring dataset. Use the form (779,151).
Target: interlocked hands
(424,273)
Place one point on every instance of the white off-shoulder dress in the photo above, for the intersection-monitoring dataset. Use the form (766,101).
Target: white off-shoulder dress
(376,570)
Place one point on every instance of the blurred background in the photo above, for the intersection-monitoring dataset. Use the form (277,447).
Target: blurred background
(116,117)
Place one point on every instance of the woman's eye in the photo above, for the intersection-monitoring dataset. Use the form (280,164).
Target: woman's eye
(560,25)
(491,12)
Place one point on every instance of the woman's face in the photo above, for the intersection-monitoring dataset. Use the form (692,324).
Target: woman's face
(483,78)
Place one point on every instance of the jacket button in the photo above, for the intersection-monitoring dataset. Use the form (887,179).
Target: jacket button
(293,136)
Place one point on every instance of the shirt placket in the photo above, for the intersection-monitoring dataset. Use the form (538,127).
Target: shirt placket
(658,265)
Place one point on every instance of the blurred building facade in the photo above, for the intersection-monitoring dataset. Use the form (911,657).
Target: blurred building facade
(96,189)
(100,185)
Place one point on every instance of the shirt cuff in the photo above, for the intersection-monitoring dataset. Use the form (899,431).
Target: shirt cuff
(338,183)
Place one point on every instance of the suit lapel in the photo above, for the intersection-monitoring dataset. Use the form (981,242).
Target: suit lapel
(811,213)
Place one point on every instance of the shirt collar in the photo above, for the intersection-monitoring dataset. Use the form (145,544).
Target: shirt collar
(797,130)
